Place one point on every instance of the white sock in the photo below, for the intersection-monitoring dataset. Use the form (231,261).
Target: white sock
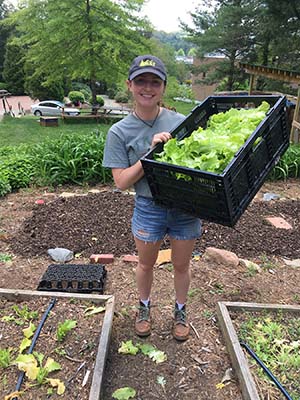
(180,306)
(146,302)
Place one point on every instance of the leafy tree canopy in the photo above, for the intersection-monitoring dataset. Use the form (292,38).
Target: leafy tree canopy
(176,40)
(13,69)
(91,40)
(260,31)
(4,31)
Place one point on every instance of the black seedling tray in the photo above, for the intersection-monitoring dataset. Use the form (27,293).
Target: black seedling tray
(76,278)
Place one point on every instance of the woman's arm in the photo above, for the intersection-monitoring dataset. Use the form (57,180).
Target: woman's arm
(126,177)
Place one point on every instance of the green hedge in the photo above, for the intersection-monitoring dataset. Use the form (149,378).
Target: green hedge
(16,168)
(69,159)
(289,164)
(4,185)
(77,159)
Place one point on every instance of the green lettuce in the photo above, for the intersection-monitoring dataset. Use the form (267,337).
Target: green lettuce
(211,149)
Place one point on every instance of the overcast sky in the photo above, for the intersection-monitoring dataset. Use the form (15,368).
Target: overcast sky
(164,14)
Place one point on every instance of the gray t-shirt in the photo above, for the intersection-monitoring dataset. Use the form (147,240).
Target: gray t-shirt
(129,139)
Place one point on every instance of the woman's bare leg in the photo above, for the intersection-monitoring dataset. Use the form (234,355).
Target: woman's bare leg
(144,277)
(147,252)
(181,257)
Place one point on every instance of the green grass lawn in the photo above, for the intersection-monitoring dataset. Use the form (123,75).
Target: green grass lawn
(27,130)
(181,107)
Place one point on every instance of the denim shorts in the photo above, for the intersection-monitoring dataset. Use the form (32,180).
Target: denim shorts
(150,222)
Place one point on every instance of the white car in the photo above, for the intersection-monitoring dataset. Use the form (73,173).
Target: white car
(52,107)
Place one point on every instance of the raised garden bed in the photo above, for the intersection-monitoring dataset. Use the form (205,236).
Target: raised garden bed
(81,353)
(239,361)
(194,368)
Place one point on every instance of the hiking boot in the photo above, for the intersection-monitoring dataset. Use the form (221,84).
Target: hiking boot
(142,321)
(181,328)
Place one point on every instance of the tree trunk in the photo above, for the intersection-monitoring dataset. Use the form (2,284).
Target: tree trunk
(94,95)
(266,46)
(230,81)
(91,53)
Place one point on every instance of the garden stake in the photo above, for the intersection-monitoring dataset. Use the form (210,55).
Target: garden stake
(266,370)
(34,339)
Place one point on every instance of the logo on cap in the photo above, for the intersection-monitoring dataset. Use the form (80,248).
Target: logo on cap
(147,63)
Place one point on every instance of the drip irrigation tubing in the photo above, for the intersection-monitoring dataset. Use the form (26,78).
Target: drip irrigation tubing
(34,339)
(266,370)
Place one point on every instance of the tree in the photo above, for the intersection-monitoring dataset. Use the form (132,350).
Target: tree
(277,40)
(283,20)
(166,53)
(174,39)
(192,52)
(90,40)
(13,71)
(226,31)
(180,52)
(4,32)
(261,31)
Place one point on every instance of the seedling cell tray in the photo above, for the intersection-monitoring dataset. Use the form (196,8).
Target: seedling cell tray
(76,278)
(221,198)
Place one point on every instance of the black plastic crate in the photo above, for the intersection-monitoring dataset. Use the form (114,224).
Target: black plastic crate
(76,278)
(221,198)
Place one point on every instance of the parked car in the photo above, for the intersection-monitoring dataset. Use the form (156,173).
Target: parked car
(52,107)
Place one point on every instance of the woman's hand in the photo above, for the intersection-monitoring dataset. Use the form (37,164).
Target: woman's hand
(161,137)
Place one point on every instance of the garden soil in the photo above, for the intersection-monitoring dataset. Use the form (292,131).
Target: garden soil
(97,220)
(54,343)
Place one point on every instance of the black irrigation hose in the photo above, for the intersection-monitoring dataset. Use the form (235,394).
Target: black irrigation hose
(34,339)
(266,370)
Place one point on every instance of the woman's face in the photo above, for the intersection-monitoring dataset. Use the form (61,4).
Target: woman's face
(147,89)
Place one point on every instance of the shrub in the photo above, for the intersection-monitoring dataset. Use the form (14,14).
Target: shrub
(186,92)
(289,164)
(17,168)
(83,88)
(99,100)
(4,185)
(6,151)
(122,97)
(173,88)
(111,92)
(76,97)
(3,86)
(71,159)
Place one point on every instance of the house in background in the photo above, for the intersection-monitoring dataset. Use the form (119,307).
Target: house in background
(207,63)
(185,59)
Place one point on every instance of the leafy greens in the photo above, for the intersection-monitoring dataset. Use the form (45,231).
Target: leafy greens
(211,149)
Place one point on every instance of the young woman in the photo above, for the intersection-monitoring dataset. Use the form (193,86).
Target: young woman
(127,141)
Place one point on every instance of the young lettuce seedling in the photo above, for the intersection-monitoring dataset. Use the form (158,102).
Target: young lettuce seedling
(5,358)
(63,328)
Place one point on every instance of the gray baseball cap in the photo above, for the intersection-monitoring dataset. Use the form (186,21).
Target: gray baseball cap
(147,63)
